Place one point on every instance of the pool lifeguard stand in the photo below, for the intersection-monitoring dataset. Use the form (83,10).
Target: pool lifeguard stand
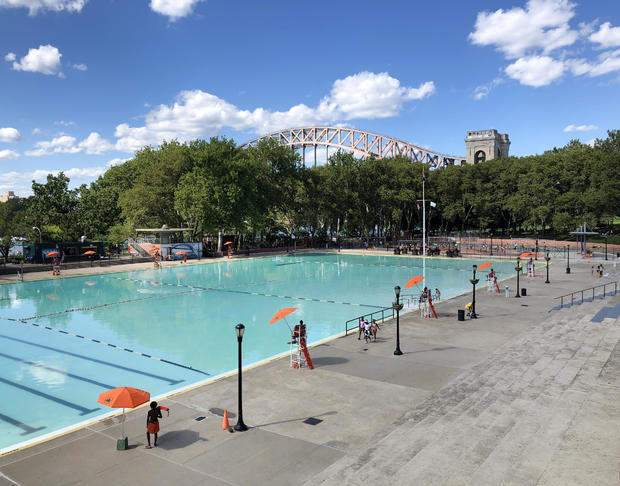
(299,350)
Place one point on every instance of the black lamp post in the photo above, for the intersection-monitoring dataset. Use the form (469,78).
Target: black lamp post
(240,426)
(567,258)
(547,258)
(518,269)
(474,281)
(606,235)
(397,306)
(536,253)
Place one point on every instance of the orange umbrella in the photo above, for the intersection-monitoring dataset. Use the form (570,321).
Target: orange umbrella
(484,265)
(52,254)
(414,281)
(181,252)
(228,243)
(153,250)
(282,313)
(525,254)
(89,252)
(124,397)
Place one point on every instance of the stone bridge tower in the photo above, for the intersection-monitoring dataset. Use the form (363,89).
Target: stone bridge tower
(484,145)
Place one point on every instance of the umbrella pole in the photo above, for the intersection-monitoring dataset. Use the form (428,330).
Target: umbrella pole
(123,425)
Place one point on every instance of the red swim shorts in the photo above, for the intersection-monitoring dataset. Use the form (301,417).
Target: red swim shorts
(152,427)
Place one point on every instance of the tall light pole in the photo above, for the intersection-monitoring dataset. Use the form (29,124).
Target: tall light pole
(397,307)
(423,214)
(567,258)
(240,426)
(518,269)
(474,281)
(547,258)
(35,228)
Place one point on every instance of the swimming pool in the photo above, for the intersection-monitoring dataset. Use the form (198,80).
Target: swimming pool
(65,341)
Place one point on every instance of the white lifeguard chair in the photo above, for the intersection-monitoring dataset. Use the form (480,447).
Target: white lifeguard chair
(299,349)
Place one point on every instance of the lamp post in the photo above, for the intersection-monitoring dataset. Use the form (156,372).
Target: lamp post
(518,269)
(491,244)
(567,258)
(536,253)
(240,426)
(474,281)
(606,235)
(397,306)
(35,228)
(547,258)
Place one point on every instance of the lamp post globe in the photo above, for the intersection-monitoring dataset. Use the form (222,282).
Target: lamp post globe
(240,426)
(397,306)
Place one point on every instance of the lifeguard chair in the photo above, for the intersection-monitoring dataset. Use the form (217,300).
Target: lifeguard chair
(299,350)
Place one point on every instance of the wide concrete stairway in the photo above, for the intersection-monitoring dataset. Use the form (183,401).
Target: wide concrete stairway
(523,416)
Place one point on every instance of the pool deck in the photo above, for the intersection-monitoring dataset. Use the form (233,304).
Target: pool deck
(519,396)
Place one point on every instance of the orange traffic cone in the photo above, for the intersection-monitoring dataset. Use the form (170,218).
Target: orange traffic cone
(225,424)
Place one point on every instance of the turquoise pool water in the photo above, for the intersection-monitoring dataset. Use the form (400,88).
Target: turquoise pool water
(56,335)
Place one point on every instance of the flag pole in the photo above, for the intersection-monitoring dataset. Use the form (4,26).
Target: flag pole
(423,215)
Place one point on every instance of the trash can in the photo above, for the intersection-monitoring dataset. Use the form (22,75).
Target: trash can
(523,292)
(122,444)
(461,314)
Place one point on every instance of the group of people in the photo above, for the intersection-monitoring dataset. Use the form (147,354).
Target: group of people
(369,329)
(427,294)
(600,270)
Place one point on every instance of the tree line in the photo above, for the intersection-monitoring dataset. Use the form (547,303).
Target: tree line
(215,187)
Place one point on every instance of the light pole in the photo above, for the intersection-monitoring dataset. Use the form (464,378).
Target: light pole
(240,426)
(491,244)
(35,228)
(567,258)
(397,306)
(547,258)
(536,253)
(518,269)
(474,281)
(606,235)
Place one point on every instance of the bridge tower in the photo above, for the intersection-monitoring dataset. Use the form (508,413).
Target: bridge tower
(484,145)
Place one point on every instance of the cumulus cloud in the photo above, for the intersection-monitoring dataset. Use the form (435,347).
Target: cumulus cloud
(45,60)
(580,128)
(542,24)
(8,155)
(66,144)
(21,182)
(197,114)
(8,134)
(174,9)
(10,57)
(117,161)
(607,36)
(34,6)
(535,70)
(80,67)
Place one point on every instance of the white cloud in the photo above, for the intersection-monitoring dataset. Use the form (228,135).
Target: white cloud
(174,9)
(580,128)
(45,59)
(8,155)
(10,57)
(483,90)
(607,36)
(36,131)
(117,161)
(21,182)
(34,6)
(541,25)
(8,134)
(80,67)
(65,144)
(64,123)
(607,62)
(535,70)
(197,114)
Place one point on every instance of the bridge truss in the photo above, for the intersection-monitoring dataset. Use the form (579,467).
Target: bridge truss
(359,142)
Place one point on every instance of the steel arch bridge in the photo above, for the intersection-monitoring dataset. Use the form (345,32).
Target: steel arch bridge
(359,142)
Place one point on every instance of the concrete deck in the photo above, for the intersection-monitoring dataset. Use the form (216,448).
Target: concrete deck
(519,396)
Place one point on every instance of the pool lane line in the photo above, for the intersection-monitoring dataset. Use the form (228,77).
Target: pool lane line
(309,299)
(62,372)
(51,398)
(151,375)
(27,429)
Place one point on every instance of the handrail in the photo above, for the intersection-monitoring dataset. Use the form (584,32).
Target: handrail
(384,316)
(593,289)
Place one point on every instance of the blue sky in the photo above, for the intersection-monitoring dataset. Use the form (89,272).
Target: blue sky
(84,83)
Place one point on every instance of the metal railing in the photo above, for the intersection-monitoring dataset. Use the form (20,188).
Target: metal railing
(385,313)
(593,289)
